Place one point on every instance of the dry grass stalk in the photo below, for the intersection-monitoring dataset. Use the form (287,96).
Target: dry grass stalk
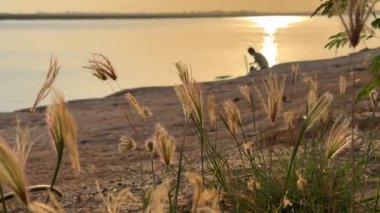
(245,90)
(319,109)
(253,184)
(211,110)
(206,210)
(114,202)
(185,102)
(342,85)
(339,137)
(157,198)
(147,197)
(192,91)
(194,94)
(165,145)
(295,69)
(183,72)
(202,199)
(233,116)
(312,98)
(37,207)
(126,144)
(248,148)
(357,16)
(142,111)
(274,88)
(209,199)
(289,118)
(63,129)
(286,202)
(46,87)
(312,95)
(11,173)
(373,97)
(311,82)
(150,145)
(301,181)
(101,67)
(197,183)
(24,142)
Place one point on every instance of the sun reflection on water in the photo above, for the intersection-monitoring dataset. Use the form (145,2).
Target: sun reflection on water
(270,25)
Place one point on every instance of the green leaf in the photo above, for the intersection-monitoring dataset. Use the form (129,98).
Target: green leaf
(375,65)
(341,39)
(326,8)
(366,89)
(337,40)
(376,23)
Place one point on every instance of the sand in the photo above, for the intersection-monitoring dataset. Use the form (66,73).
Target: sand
(101,124)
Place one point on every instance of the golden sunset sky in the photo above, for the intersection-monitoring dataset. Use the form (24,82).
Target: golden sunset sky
(130,6)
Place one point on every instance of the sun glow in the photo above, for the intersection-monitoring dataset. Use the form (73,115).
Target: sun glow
(270,25)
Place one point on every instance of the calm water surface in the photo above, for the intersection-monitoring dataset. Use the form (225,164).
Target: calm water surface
(144,51)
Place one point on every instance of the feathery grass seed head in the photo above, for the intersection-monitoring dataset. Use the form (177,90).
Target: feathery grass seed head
(192,91)
(63,129)
(46,87)
(24,142)
(245,90)
(197,182)
(319,108)
(233,116)
(114,201)
(211,110)
(342,85)
(165,145)
(158,197)
(183,72)
(339,137)
(142,111)
(201,197)
(126,144)
(11,173)
(274,88)
(295,69)
(101,67)
(289,118)
(184,99)
(312,95)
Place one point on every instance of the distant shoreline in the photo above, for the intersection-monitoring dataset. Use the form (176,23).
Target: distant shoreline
(97,16)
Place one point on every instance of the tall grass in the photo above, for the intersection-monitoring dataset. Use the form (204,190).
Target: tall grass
(316,174)
(311,177)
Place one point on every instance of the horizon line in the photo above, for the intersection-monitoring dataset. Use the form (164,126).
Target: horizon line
(107,15)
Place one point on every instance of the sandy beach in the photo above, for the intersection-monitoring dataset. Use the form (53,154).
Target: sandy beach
(101,123)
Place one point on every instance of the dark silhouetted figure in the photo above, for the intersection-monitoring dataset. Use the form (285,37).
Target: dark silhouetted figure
(260,60)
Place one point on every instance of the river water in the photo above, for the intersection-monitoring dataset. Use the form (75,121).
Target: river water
(144,51)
